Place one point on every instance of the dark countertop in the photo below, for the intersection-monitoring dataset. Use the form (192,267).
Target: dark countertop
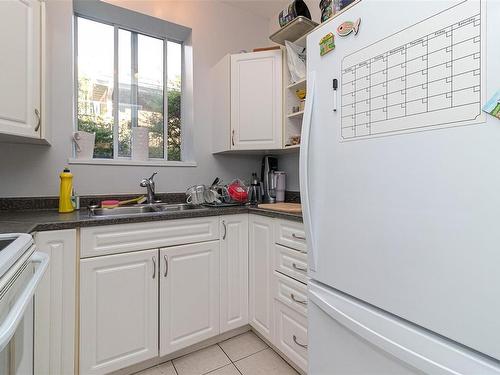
(27,221)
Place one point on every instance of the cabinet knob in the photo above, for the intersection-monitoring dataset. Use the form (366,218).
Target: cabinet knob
(232,137)
(166,265)
(292,296)
(297,237)
(298,343)
(154,267)
(39,119)
(299,268)
(225,230)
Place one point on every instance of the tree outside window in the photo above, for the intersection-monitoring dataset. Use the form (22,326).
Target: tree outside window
(116,94)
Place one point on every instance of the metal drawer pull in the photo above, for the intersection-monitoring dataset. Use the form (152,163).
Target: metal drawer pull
(166,265)
(298,343)
(225,230)
(297,237)
(39,119)
(154,267)
(297,300)
(299,268)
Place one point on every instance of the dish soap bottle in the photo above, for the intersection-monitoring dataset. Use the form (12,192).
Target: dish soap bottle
(65,189)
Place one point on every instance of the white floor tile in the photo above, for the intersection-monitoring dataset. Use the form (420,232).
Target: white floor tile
(163,369)
(242,346)
(167,368)
(226,370)
(202,361)
(265,362)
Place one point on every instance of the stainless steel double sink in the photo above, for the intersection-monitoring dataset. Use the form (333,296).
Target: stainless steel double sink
(141,209)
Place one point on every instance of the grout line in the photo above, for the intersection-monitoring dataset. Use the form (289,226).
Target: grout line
(237,369)
(261,350)
(218,368)
(228,357)
(173,365)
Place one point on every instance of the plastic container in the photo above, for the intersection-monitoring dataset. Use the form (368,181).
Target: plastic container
(65,189)
(280,185)
(238,191)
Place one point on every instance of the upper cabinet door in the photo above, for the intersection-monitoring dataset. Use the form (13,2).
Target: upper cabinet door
(20,67)
(189,295)
(118,311)
(233,272)
(256,101)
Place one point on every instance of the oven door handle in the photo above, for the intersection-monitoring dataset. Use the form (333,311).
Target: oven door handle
(9,325)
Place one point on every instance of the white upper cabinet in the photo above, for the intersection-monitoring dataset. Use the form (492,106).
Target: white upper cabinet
(233,272)
(256,100)
(248,109)
(189,295)
(21,67)
(118,311)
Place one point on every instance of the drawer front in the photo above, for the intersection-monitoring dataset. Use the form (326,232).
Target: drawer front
(291,334)
(291,262)
(290,292)
(112,239)
(291,234)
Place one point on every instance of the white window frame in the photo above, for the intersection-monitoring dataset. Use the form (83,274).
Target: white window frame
(138,23)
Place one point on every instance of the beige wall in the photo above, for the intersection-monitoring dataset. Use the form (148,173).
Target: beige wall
(218,29)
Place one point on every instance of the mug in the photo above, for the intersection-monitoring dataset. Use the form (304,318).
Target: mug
(195,195)
(84,144)
(211,196)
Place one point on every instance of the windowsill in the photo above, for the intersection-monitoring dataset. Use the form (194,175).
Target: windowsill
(155,163)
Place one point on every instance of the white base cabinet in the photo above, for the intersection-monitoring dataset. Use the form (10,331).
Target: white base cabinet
(233,272)
(189,295)
(118,311)
(261,243)
(55,304)
(137,304)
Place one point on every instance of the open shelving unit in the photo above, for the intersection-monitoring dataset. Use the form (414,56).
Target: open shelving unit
(296,32)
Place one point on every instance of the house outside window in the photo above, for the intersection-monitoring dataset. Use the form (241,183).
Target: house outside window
(129,74)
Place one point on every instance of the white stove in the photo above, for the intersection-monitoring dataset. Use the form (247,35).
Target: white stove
(21,270)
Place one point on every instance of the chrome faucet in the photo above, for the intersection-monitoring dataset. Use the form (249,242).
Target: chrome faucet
(150,185)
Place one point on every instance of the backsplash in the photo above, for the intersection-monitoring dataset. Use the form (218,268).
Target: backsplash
(47,203)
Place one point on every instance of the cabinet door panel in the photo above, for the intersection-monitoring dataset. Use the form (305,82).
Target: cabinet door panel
(234,272)
(256,100)
(56,304)
(189,295)
(20,64)
(261,241)
(118,311)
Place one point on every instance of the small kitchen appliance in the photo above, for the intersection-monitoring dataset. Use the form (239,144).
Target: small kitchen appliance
(256,190)
(269,167)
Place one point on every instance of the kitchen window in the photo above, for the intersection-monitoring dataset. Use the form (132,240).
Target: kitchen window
(129,76)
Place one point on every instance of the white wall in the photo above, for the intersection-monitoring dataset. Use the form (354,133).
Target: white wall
(28,170)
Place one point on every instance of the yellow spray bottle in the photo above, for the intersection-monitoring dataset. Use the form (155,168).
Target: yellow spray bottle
(65,189)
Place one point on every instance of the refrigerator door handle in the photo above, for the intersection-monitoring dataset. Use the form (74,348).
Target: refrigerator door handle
(410,344)
(304,162)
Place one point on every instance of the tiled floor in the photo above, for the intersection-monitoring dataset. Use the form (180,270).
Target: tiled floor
(245,354)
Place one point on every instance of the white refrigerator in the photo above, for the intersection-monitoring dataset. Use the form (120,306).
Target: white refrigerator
(400,186)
